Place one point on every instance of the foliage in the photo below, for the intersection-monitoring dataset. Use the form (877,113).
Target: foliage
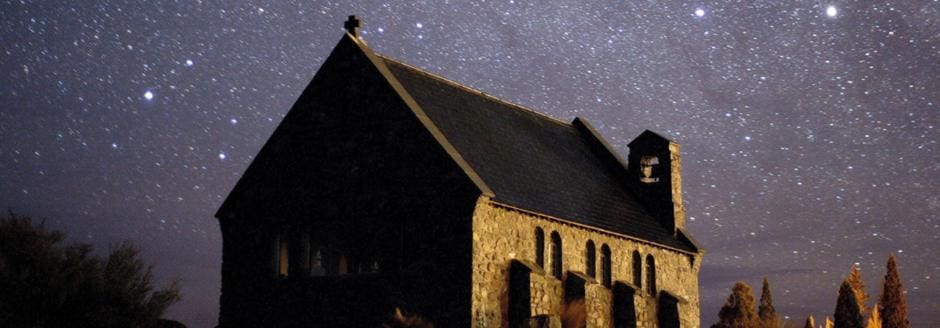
(892,305)
(738,311)
(574,314)
(848,313)
(766,312)
(855,279)
(48,284)
(874,321)
(810,322)
(401,319)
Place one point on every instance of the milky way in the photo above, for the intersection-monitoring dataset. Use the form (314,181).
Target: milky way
(809,128)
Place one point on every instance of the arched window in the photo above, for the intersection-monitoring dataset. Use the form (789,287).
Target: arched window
(637,270)
(316,262)
(590,260)
(651,275)
(283,255)
(540,247)
(343,267)
(606,274)
(556,255)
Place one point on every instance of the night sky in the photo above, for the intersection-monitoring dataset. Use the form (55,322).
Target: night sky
(808,128)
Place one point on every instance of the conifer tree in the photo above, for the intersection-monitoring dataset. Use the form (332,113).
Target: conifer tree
(766,312)
(848,314)
(738,311)
(892,305)
(810,322)
(855,279)
(874,321)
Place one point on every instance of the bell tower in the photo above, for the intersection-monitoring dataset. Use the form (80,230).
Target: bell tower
(654,169)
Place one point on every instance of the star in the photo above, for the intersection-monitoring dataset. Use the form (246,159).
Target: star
(770,118)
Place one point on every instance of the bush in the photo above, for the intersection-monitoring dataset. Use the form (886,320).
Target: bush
(48,284)
(401,319)
(574,314)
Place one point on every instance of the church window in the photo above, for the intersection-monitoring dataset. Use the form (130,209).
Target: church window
(651,275)
(556,255)
(316,262)
(590,260)
(343,267)
(637,270)
(606,274)
(302,255)
(283,255)
(539,247)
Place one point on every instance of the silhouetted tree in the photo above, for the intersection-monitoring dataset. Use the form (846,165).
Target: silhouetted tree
(810,322)
(47,284)
(892,305)
(738,311)
(855,279)
(848,314)
(766,312)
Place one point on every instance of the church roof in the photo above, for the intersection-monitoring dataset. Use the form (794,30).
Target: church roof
(531,161)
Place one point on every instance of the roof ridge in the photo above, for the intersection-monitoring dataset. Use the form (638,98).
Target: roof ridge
(478,92)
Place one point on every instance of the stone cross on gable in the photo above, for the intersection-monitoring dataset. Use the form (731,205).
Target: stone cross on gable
(352,25)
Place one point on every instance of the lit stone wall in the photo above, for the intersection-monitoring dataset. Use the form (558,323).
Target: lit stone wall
(501,234)
(599,300)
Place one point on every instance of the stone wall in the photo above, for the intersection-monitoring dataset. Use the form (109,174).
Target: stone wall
(501,234)
(546,291)
(599,300)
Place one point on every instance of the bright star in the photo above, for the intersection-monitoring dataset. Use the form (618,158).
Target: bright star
(222,156)
(419,25)
(148,95)
(699,12)
(189,62)
(233,121)
(832,11)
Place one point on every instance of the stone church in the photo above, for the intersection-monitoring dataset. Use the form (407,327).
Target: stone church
(386,186)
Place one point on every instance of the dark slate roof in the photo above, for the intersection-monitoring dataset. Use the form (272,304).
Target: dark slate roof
(532,161)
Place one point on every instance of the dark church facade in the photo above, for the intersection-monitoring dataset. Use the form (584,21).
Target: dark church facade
(386,187)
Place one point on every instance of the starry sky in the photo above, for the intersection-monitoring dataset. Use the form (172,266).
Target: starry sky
(809,128)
